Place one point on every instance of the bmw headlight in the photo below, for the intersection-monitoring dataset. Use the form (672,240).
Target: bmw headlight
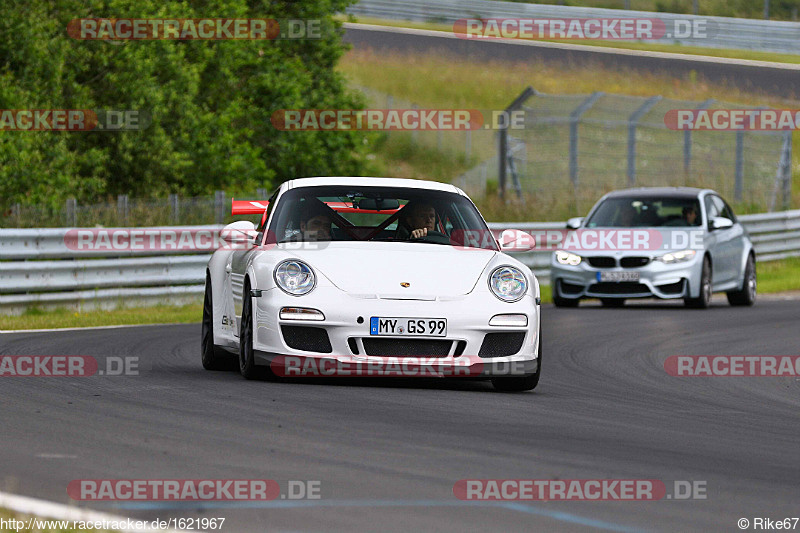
(508,283)
(677,257)
(295,277)
(566,258)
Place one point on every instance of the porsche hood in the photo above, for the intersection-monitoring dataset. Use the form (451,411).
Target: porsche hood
(399,270)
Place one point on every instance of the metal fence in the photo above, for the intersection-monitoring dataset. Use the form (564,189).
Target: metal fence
(39,268)
(127,211)
(723,32)
(575,148)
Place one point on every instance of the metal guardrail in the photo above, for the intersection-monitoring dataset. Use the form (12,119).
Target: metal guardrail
(724,32)
(37,268)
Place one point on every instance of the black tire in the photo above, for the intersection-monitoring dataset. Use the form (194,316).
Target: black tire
(747,294)
(612,302)
(522,383)
(704,299)
(212,356)
(247,360)
(560,301)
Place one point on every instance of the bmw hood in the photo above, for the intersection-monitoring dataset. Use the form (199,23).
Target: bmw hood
(384,269)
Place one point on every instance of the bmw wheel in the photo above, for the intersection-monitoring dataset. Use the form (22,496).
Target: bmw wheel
(747,294)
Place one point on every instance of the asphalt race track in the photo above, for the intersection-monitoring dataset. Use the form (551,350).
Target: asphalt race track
(387,453)
(776,79)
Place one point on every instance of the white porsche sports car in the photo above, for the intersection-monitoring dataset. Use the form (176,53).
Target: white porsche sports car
(356,272)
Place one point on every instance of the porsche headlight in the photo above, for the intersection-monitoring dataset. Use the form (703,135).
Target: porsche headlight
(508,283)
(677,257)
(566,258)
(295,277)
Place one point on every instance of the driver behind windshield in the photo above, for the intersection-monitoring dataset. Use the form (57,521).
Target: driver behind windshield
(315,222)
(419,218)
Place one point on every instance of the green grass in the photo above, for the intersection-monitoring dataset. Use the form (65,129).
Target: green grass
(752,55)
(35,318)
(398,155)
(779,276)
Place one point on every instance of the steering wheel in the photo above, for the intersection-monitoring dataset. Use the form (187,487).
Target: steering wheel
(435,237)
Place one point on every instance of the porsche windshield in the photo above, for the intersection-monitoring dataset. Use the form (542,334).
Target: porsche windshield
(645,212)
(345,213)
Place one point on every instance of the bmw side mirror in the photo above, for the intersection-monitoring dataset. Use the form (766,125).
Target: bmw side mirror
(574,223)
(721,223)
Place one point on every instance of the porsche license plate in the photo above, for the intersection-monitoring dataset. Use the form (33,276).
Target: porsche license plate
(408,327)
(617,276)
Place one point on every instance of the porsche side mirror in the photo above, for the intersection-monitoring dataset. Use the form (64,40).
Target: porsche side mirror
(574,222)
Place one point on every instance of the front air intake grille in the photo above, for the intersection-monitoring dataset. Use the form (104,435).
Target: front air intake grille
(570,288)
(672,288)
(501,344)
(633,262)
(602,261)
(623,287)
(306,339)
(351,342)
(407,347)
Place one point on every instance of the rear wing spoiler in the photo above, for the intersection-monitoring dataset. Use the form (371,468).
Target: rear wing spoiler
(259,207)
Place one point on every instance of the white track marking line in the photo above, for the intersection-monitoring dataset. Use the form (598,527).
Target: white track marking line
(56,511)
(94,327)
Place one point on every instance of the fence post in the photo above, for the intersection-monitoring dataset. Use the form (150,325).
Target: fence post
(16,215)
(574,119)
(219,207)
(633,120)
(783,175)
(122,209)
(174,208)
(389,105)
(687,141)
(502,149)
(787,170)
(262,194)
(467,145)
(503,152)
(72,212)
(415,131)
(739,177)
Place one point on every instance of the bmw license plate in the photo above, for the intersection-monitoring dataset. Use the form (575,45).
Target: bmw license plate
(409,327)
(617,276)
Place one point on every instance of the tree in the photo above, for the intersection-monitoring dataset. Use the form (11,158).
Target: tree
(210,102)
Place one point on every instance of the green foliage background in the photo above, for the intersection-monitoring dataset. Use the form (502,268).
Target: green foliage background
(210,102)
